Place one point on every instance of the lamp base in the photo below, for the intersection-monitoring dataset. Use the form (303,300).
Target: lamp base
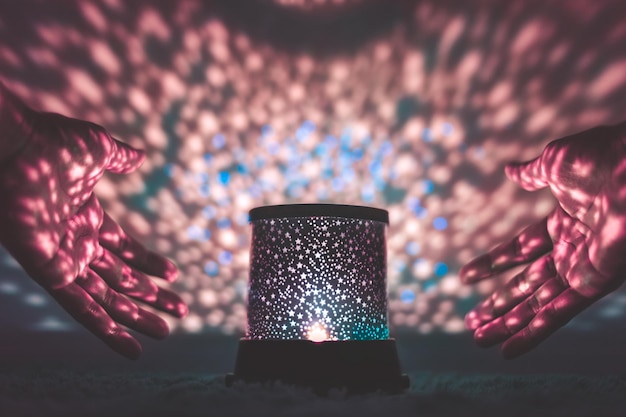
(358,366)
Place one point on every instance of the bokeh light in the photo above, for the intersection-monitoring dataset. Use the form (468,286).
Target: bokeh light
(412,106)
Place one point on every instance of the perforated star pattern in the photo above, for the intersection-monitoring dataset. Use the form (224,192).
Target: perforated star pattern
(318,278)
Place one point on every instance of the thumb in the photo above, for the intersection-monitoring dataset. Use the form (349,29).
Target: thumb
(124,158)
(529,175)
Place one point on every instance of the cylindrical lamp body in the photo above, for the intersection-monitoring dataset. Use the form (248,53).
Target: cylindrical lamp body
(318,272)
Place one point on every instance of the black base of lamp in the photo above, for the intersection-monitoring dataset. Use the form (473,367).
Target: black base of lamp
(356,366)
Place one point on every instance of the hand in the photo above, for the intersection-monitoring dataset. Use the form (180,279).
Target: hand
(54,226)
(575,255)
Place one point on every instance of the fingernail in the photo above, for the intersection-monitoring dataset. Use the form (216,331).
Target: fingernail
(476,269)
(471,320)
(183,310)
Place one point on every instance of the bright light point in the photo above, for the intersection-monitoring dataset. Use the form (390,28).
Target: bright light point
(412,248)
(440,223)
(447,129)
(211,268)
(441,269)
(225,258)
(428,186)
(407,296)
(219,141)
(317,333)
(223,177)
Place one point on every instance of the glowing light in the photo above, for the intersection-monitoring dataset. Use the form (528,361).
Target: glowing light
(211,268)
(440,269)
(317,333)
(440,223)
(407,296)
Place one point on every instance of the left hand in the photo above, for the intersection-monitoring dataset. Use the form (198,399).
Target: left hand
(53,225)
(575,255)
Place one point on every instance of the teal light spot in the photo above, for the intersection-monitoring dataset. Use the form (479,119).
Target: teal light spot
(440,269)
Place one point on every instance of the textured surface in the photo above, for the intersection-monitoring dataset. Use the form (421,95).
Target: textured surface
(66,393)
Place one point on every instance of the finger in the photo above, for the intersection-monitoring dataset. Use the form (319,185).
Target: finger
(125,279)
(124,158)
(121,309)
(549,319)
(507,325)
(128,281)
(77,248)
(125,247)
(92,316)
(529,175)
(512,293)
(530,244)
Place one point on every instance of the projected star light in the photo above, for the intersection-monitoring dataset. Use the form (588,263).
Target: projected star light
(318,278)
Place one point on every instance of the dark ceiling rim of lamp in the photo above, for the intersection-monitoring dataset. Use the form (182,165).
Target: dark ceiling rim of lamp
(319,210)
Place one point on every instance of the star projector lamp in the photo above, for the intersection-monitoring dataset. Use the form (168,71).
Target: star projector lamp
(317,300)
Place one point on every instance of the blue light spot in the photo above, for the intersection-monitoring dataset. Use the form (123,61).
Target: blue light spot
(380,183)
(440,269)
(367,193)
(412,202)
(386,148)
(294,190)
(219,141)
(255,190)
(322,194)
(447,129)
(273,148)
(375,167)
(198,233)
(321,149)
(223,177)
(225,258)
(305,130)
(330,141)
(211,268)
(428,186)
(223,223)
(327,173)
(412,248)
(259,162)
(205,190)
(440,223)
(427,135)
(169,170)
(346,138)
(242,169)
(357,154)
(208,212)
(243,219)
(308,125)
(202,177)
(420,212)
(208,158)
(266,130)
(337,184)
(407,296)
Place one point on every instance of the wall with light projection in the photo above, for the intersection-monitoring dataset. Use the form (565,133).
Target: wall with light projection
(410,106)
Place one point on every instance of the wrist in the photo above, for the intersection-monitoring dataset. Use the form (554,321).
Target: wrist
(15,119)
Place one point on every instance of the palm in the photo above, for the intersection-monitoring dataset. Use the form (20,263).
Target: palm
(54,226)
(574,254)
